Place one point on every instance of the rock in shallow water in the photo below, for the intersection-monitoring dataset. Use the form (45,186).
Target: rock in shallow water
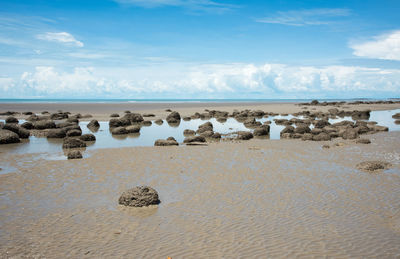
(8,137)
(139,196)
(73,143)
(74,154)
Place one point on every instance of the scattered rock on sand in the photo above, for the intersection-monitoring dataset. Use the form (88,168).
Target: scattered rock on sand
(159,122)
(87,137)
(73,143)
(148,115)
(114,115)
(350,134)
(363,141)
(8,137)
(74,154)
(139,196)
(188,132)
(166,142)
(372,166)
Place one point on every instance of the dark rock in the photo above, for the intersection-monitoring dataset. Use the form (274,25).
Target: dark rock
(8,137)
(74,154)
(205,127)
(380,128)
(397,122)
(207,133)
(252,123)
(168,110)
(194,139)
(216,135)
(133,129)
(146,123)
(187,118)
(261,131)
(301,129)
(372,166)
(287,129)
(167,142)
(73,143)
(396,116)
(244,135)
(27,113)
(27,125)
(59,116)
(322,137)
(56,133)
(11,119)
(114,115)
(119,131)
(44,124)
(363,141)
(316,131)
(148,115)
(132,118)
(21,132)
(87,137)
(74,133)
(139,196)
(93,124)
(159,122)
(72,120)
(314,102)
(189,132)
(307,136)
(173,117)
(350,134)
(321,124)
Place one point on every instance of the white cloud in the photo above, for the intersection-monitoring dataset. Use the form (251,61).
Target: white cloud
(322,16)
(202,5)
(386,46)
(63,37)
(205,81)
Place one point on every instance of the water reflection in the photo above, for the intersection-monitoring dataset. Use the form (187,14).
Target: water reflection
(148,134)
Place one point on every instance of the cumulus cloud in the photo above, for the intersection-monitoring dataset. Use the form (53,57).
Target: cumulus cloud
(320,16)
(386,46)
(205,81)
(62,37)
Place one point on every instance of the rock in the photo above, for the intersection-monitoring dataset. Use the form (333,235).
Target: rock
(396,116)
(287,129)
(349,134)
(321,124)
(159,122)
(74,133)
(27,113)
(148,115)
(56,133)
(44,124)
(360,115)
(114,123)
(8,137)
(252,123)
(207,134)
(194,139)
(333,111)
(119,131)
(114,115)
(59,116)
(168,110)
(167,142)
(322,137)
(397,122)
(307,136)
(132,118)
(189,132)
(133,129)
(216,135)
(316,131)
(372,166)
(87,137)
(286,135)
(301,129)
(326,146)
(74,154)
(11,119)
(173,117)
(244,135)
(187,118)
(205,127)
(21,132)
(27,125)
(73,143)
(363,141)
(94,124)
(146,123)
(72,120)
(261,131)
(139,196)
(66,124)
(314,102)
(380,128)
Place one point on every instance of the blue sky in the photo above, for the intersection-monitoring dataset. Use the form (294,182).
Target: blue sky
(199,49)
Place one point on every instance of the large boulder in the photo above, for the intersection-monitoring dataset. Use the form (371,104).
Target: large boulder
(188,132)
(261,131)
(74,133)
(132,118)
(139,196)
(73,143)
(173,117)
(166,142)
(301,129)
(349,133)
(205,127)
(8,137)
(21,132)
(396,116)
(44,124)
(27,125)
(322,137)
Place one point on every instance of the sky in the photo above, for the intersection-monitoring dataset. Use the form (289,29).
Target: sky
(264,49)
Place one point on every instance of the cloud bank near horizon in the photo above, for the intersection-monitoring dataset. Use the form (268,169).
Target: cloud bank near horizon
(205,81)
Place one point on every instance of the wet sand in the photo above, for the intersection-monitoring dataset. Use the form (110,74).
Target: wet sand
(102,111)
(253,199)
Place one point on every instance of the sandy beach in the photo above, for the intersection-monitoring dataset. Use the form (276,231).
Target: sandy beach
(243,199)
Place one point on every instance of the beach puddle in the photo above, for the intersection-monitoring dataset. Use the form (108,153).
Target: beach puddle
(148,134)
